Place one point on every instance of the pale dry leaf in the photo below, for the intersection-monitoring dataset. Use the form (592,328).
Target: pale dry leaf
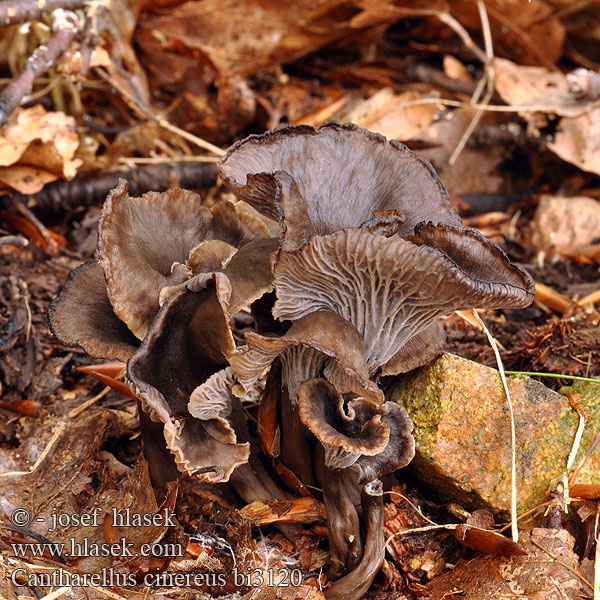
(455,69)
(564,223)
(45,142)
(386,113)
(577,141)
(25,179)
(518,85)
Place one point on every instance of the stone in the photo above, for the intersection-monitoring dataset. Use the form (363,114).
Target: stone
(462,434)
(588,394)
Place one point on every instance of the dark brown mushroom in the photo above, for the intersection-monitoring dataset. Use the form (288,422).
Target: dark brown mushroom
(321,342)
(322,181)
(361,442)
(144,243)
(173,360)
(82,315)
(392,289)
(356,584)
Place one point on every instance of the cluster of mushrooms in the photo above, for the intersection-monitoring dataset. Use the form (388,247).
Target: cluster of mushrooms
(350,252)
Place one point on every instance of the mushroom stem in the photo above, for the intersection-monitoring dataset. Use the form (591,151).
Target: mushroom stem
(295,451)
(354,585)
(342,498)
(161,463)
(298,364)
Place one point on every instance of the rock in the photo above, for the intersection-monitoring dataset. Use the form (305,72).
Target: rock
(588,394)
(565,223)
(462,433)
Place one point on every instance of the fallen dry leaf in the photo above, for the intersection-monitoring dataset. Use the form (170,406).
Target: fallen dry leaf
(386,113)
(537,575)
(577,140)
(518,85)
(300,510)
(38,147)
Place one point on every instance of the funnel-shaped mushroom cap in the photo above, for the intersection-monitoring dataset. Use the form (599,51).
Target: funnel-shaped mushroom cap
(188,342)
(143,243)
(376,440)
(392,289)
(81,315)
(321,181)
(179,369)
(322,333)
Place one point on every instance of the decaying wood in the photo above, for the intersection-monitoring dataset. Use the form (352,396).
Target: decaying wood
(87,190)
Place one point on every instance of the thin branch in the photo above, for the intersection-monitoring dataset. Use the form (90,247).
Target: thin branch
(13,12)
(160,120)
(64,27)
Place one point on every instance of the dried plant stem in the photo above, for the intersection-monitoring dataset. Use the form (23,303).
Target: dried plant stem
(64,31)
(160,120)
(56,593)
(487,80)
(584,458)
(513,436)
(42,456)
(546,108)
(576,442)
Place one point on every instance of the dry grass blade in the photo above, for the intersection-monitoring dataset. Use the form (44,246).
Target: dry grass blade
(42,456)
(513,437)
(486,81)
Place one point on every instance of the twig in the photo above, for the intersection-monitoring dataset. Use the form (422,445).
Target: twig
(14,240)
(447,19)
(590,298)
(42,456)
(165,160)
(487,80)
(64,27)
(552,299)
(50,241)
(85,405)
(86,189)
(13,12)
(160,120)
(546,108)
(513,436)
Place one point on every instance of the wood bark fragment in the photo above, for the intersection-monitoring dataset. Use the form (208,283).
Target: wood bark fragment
(86,190)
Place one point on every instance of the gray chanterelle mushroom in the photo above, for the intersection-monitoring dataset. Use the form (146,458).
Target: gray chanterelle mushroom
(370,253)
(367,235)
